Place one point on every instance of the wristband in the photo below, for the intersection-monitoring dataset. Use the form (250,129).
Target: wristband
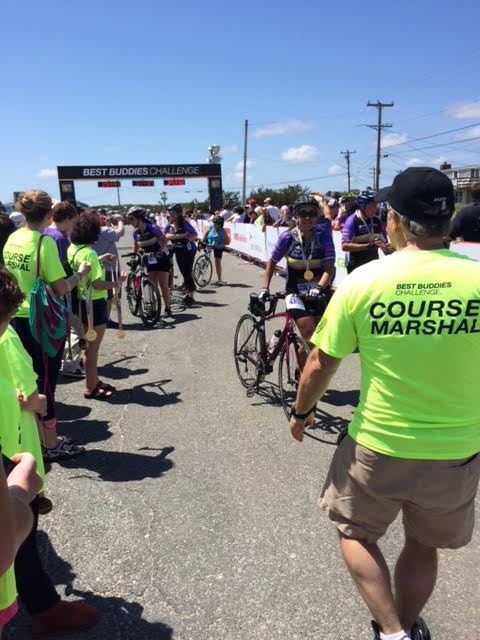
(300,416)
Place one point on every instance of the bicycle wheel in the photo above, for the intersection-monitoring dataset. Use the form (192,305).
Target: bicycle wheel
(289,370)
(202,271)
(131,294)
(150,303)
(246,350)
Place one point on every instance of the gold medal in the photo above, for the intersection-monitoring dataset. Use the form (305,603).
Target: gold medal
(308,275)
(91,335)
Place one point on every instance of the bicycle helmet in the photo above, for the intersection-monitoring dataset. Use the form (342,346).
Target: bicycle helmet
(137,212)
(305,200)
(177,208)
(366,197)
(218,220)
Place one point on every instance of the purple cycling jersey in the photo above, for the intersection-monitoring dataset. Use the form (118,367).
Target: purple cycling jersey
(181,243)
(150,238)
(311,255)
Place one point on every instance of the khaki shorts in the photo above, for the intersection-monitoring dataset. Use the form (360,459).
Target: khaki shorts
(365,491)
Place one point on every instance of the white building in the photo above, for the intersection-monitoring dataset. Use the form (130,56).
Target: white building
(462,178)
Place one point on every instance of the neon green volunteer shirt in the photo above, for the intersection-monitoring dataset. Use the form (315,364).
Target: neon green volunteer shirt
(20,258)
(9,433)
(16,366)
(415,317)
(78,253)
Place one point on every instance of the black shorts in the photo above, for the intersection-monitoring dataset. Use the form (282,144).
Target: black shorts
(99,307)
(163,264)
(313,308)
(218,253)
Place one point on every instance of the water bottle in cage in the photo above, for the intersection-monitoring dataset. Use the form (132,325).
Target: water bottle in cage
(274,341)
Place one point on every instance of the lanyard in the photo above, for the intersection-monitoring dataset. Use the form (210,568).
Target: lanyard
(308,275)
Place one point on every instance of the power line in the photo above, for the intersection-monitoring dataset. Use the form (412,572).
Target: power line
(435,135)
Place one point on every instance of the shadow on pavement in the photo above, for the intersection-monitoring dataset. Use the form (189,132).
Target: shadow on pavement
(71,412)
(342,398)
(121,466)
(119,618)
(237,285)
(85,431)
(110,370)
(139,395)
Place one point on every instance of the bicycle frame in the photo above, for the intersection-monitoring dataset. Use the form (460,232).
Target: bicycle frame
(267,359)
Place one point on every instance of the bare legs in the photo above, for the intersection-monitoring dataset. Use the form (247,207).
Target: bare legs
(218,268)
(91,358)
(415,577)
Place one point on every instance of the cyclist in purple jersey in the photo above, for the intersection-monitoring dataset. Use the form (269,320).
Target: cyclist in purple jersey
(182,236)
(310,254)
(363,233)
(149,237)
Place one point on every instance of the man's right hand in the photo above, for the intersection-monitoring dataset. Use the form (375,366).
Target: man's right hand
(23,478)
(84,269)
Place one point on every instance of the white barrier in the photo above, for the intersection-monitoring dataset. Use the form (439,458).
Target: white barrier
(249,240)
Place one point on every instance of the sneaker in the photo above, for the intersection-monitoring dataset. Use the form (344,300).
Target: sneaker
(64,617)
(420,631)
(188,299)
(168,313)
(376,631)
(62,451)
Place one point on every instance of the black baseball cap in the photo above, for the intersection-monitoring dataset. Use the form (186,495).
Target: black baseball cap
(420,193)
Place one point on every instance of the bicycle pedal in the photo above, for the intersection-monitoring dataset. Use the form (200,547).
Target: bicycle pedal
(250,393)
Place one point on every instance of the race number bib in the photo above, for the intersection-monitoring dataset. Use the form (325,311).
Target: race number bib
(293,302)
(152,259)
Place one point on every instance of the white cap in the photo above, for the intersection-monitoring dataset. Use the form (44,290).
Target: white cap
(332,202)
(17,217)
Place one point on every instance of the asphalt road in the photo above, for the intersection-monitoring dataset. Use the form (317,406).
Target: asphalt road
(194,515)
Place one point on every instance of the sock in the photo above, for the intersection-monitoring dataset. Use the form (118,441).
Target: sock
(400,635)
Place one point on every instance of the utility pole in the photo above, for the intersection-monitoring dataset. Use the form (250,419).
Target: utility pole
(118,195)
(163,197)
(379,126)
(347,155)
(245,141)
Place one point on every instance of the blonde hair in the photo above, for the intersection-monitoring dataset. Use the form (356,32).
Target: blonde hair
(34,205)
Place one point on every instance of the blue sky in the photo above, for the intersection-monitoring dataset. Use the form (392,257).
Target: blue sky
(103,82)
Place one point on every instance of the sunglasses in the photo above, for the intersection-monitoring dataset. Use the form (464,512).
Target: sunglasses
(308,214)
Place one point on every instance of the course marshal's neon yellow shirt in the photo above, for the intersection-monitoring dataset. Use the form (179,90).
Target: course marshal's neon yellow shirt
(415,317)
(80,253)
(16,366)
(9,436)
(20,257)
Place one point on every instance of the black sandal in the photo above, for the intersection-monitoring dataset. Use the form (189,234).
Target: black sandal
(106,386)
(99,393)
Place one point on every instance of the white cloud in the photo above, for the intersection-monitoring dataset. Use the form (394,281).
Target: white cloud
(391,139)
(47,174)
(300,155)
(468,133)
(229,148)
(282,127)
(463,110)
(112,148)
(335,169)
(237,174)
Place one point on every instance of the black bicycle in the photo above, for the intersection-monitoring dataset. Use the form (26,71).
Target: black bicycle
(202,269)
(143,296)
(255,358)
